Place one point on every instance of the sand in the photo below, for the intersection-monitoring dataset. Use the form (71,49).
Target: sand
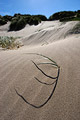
(17,71)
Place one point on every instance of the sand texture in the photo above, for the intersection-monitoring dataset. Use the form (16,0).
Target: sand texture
(17,72)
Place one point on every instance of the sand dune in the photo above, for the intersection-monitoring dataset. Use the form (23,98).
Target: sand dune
(17,71)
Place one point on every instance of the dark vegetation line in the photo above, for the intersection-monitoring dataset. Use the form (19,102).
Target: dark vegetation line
(19,21)
(54,83)
(66,16)
(43,71)
(44,82)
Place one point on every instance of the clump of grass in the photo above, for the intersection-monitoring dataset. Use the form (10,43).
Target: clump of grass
(9,42)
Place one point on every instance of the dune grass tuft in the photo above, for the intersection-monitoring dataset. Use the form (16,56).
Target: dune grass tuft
(9,42)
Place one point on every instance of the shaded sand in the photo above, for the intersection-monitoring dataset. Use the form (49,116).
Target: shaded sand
(17,71)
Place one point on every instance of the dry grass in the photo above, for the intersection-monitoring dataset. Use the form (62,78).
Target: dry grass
(9,42)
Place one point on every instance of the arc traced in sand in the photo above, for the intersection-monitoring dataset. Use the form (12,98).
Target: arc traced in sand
(53,63)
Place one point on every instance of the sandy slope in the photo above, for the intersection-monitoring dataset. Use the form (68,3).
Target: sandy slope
(17,71)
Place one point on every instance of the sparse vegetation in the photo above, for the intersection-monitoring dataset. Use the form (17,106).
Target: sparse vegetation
(69,19)
(19,21)
(9,42)
(5,19)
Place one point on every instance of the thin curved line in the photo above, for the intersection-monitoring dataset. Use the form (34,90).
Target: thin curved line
(43,72)
(48,97)
(44,82)
(40,81)
(48,63)
(44,57)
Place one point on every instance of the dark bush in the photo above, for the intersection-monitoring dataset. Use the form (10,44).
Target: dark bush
(67,19)
(28,20)
(16,15)
(78,13)
(21,15)
(41,17)
(36,20)
(0,17)
(2,21)
(63,14)
(20,24)
(33,21)
(13,24)
(7,18)
(17,23)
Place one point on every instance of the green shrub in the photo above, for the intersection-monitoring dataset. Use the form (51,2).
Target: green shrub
(20,24)
(78,13)
(67,19)
(63,14)
(3,22)
(4,19)
(13,25)
(7,18)
(16,15)
(19,21)
(70,19)
(40,17)
(35,20)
